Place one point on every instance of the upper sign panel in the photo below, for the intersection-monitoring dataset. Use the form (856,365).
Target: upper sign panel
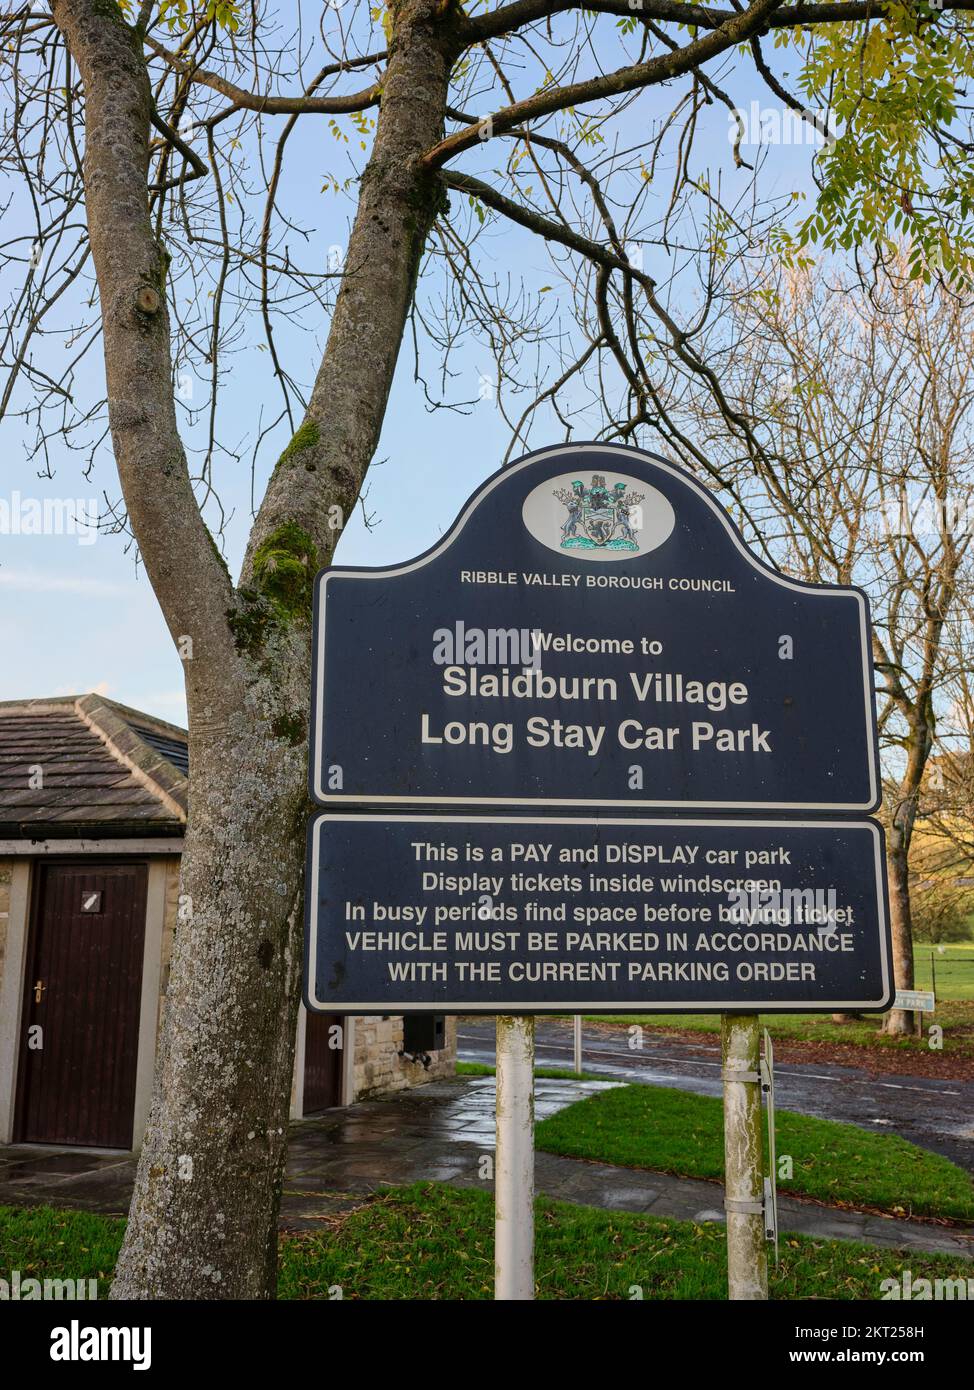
(591,632)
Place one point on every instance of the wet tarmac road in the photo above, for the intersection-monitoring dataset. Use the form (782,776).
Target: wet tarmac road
(937,1115)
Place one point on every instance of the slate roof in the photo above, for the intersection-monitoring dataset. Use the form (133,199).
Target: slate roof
(104,770)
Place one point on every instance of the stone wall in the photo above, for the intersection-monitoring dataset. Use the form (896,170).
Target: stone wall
(378,1068)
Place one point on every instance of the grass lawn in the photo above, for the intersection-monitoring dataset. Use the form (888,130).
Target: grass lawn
(954,970)
(951,1015)
(553,1073)
(430,1241)
(676,1132)
(955,1011)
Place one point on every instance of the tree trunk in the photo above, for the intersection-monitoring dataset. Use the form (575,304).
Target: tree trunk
(204,1210)
(203,1219)
(899,1022)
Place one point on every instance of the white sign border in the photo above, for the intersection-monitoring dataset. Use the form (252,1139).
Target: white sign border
(583,1006)
(324,797)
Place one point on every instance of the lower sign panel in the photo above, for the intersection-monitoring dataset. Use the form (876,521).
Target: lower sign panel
(495,914)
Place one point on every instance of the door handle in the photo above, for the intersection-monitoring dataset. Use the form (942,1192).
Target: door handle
(39,989)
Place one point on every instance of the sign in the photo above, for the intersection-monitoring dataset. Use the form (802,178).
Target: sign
(505,914)
(919,1001)
(592,632)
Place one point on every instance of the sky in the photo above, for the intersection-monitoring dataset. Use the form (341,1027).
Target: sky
(76,610)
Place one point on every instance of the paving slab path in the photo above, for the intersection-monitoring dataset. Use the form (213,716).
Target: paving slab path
(443,1132)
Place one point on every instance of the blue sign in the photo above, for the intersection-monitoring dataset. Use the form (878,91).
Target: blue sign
(508,914)
(592,632)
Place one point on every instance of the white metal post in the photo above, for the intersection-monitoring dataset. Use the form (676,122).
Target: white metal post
(578,1043)
(747,1256)
(514,1160)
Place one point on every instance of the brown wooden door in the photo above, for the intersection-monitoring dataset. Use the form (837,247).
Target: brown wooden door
(322,1063)
(83,986)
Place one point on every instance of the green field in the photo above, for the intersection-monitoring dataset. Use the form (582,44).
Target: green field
(955,1017)
(553,1073)
(954,971)
(430,1241)
(677,1132)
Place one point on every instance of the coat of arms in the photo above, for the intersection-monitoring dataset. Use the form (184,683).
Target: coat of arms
(599,517)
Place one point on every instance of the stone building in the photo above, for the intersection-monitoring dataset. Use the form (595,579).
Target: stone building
(93,800)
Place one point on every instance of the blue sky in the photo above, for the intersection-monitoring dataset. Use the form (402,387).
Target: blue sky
(77,617)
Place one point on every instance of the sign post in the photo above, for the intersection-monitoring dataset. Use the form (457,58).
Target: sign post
(588,754)
(514,1160)
(747,1259)
(771,1181)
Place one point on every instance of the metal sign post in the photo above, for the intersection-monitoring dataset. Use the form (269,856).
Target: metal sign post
(514,1160)
(577,1031)
(747,1259)
(771,1181)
